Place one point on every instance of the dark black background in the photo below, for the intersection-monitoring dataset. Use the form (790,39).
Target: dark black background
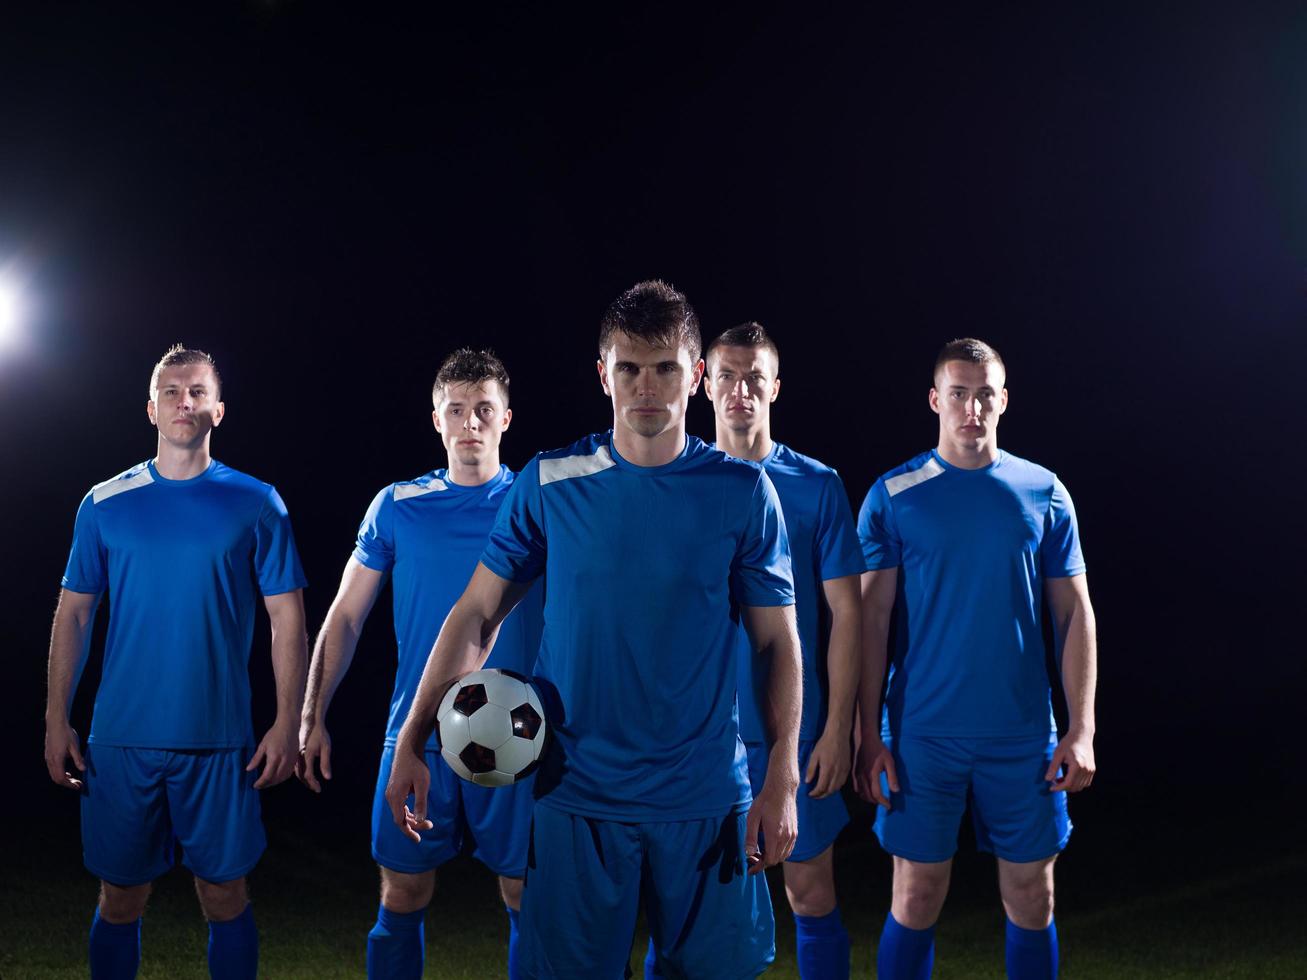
(330,200)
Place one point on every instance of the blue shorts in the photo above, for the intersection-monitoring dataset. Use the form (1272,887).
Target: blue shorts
(587,878)
(138,804)
(1015,815)
(498,818)
(820,821)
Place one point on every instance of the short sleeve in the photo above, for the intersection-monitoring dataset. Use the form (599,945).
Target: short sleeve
(1059,551)
(761,573)
(516,548)
(88,567)
(836,540)
(375,546)
(276,561)
(877,531)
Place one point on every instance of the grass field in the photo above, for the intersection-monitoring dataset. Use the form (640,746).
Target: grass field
(1126,908)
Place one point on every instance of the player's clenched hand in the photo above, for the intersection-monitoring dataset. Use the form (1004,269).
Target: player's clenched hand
(873,759)
(409,776)
(828,766)
(774,817)
(315,753)
(61,745)
(1076,753)
(277,754)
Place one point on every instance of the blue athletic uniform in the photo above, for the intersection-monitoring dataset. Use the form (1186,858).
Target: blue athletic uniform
(968,708)
(428,534)
(183,562)
(646,569)
(823,545)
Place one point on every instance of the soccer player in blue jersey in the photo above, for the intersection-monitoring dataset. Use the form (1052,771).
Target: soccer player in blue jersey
(180,543)
(962,544)
(426,536)
(742,380)
(653,544)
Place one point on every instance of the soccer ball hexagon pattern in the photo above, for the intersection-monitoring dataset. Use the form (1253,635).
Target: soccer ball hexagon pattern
(491,727)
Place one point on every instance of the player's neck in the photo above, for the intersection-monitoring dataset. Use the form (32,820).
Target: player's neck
(473,475)
(178,463)
(656,450)
(968,457)
(756,446)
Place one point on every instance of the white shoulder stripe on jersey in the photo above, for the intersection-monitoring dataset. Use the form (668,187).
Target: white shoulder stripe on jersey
(897,484)
(552,470)
(108,488)
(406,490)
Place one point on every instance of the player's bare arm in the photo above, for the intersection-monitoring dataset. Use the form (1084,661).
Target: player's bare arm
(290,654)
(73,617)
(1075,634)
(828,767)
(464,643)
(332,654)
(774,634)
(873,758)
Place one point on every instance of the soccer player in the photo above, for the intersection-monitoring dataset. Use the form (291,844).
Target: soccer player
(426,535)
(964,541)
(742,380)
(651,542)
(180,543)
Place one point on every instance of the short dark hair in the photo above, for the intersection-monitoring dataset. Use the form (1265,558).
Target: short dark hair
(473,367)
(751,334)
(967,349)
(180,354)
(655,312)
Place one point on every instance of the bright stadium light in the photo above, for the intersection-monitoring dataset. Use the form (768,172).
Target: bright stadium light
(11,313)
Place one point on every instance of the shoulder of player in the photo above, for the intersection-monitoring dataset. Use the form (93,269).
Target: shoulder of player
(129,479)
(1014,468)
(418,487)
(786,461)
(585,457)
(916,471)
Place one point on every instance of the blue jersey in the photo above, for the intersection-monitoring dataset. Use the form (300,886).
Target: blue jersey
(646,566)
(428,533)
(823,545)
(183,562)
(973,548)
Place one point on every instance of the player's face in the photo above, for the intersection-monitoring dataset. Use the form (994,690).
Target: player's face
(969,398)
(742,384)
(471,419)
(649,386)
(185,407)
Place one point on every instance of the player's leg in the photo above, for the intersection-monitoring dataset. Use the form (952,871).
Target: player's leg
(1027,890)
(1025,826)
(233,938)
(581,897)
(115,942)
(127,842)
(216,816)
(397,940)
(821,941)
(920,830)
(707,916)
(500,823)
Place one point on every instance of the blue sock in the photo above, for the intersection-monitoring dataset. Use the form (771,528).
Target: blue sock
(396,945)
(234,948)
(1031,953)
(822,946)
(905,954)
(651,964)
(514,971)
(115,949)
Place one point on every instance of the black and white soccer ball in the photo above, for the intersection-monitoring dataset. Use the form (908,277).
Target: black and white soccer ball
(491,727)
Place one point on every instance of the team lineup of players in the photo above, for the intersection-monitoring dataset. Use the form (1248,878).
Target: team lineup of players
(701,733)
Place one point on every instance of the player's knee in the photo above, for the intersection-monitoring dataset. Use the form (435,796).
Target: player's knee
(406,893)
(1029,903)
(919,894)
(119,905)
(809,894)
(510,890)
(222,901)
